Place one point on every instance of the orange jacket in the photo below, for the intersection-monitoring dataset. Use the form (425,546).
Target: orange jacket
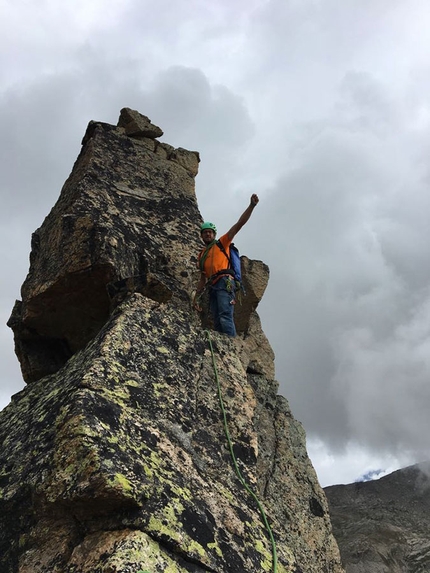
(215,260)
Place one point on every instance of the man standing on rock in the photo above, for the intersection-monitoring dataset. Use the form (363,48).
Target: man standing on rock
(215,273)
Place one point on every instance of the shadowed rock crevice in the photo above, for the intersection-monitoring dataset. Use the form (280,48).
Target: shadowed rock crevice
(115,457)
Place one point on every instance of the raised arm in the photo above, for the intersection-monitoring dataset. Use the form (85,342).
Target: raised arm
(244,218)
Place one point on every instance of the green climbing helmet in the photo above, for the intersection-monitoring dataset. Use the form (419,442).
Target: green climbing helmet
(208,225)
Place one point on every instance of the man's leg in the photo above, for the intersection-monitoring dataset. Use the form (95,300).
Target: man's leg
(225,304)
(213,305)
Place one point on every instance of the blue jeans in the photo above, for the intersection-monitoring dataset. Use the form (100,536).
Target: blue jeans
(221,301)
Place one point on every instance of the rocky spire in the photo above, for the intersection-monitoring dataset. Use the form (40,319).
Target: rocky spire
(114,458)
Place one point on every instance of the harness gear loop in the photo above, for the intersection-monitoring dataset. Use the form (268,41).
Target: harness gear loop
(236,466)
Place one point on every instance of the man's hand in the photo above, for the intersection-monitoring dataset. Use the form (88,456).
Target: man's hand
(244,218)
(196,300)
(199,292)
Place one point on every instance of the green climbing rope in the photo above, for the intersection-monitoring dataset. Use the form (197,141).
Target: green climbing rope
(236,467)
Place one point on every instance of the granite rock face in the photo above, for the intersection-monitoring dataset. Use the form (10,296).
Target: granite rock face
(383,526)
(125,220)
(115,458)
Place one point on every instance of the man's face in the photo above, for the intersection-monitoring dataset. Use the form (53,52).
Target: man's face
(208,236)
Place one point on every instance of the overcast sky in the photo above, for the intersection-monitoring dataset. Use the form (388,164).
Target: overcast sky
(322,108)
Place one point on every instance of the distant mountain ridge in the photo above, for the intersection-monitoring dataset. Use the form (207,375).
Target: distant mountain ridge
(383,526)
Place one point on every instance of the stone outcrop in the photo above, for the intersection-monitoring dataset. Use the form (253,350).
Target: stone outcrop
(383,526)
(114,458)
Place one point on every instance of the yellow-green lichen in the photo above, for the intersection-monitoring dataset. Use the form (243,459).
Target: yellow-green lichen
(160,388)
(267,557)
(131,382)
(216,548)
(195,547)
(119,480)
(157,526)
(169,525)
(181,492)
(163,350)
(227,494)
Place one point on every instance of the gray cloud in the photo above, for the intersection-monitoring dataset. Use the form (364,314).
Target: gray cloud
(349,224)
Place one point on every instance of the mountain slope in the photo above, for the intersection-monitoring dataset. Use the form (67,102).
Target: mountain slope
(383,525)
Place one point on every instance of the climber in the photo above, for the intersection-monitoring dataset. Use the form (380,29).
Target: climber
(215,272)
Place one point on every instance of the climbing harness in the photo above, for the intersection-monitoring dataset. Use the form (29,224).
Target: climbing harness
(204,254)
(233,270)
(229,286)
(236,466)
